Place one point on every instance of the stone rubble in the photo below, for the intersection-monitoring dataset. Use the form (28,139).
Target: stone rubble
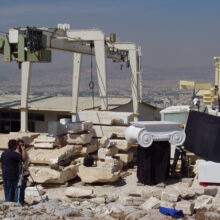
(58,156)
(58,159)
(112,202)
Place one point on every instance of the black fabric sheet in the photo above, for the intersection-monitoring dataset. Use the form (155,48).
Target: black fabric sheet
(153,163)
(203,135)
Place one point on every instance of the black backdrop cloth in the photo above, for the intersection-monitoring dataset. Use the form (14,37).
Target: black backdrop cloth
(153,163)
(203,135)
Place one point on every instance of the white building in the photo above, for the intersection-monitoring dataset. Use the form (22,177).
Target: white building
(43,109)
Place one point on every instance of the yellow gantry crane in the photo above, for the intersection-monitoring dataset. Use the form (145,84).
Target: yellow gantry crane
(209,92)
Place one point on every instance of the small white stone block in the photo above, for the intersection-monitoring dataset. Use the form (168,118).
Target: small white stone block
(203,201)
(79,138)
(98,200)
(131,201)
(34,191)
(78,192)
(149,191)
(170,195)
(98,174)
(208,172)
(104,152)
(44,145)
(186,206)
(187,193)
(126,157)
(79,127)
(45,139)
(110,162)
(151,203)
(122,145)
(198,190)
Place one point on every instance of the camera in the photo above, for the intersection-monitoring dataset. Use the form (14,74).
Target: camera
(20,143)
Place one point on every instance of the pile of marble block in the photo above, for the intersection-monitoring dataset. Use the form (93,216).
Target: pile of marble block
(111,125)
(58,156)
(54,156)
(113,150)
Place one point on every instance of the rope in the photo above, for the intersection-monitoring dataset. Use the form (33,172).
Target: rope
(91,83)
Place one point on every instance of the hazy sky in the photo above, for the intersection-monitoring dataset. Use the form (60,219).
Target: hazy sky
(172,33)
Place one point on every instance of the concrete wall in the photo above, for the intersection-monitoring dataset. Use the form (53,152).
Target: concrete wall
(42,126)
(147,113)
(39,125)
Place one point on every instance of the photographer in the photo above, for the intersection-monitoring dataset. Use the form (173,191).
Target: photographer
(10,169)
(23,175)
(179,152)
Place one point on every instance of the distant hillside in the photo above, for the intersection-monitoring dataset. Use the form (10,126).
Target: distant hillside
(56,77)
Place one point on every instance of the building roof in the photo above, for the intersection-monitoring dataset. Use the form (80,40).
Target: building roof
(176,109)
(58,103)
(61,103)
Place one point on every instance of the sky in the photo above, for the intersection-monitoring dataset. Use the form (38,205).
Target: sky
(173,34)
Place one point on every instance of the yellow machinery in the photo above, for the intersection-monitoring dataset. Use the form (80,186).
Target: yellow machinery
(209,92)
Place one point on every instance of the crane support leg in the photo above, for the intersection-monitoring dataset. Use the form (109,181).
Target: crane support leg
(26,68)
(77,64)
(134,82)
(100,54)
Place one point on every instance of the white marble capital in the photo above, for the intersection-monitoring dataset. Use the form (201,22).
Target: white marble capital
(145,132)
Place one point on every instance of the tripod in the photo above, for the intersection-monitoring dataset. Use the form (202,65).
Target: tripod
(21,183)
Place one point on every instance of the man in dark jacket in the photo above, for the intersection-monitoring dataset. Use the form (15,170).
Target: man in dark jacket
(10,169)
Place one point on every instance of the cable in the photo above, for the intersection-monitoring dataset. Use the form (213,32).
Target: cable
(91,83)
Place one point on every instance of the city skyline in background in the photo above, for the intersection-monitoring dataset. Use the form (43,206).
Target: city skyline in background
(178,38)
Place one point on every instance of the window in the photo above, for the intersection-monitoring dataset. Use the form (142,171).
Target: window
(5,127)
(5,115)
(15,115)
(30,116)
(31,126)
(39,117)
